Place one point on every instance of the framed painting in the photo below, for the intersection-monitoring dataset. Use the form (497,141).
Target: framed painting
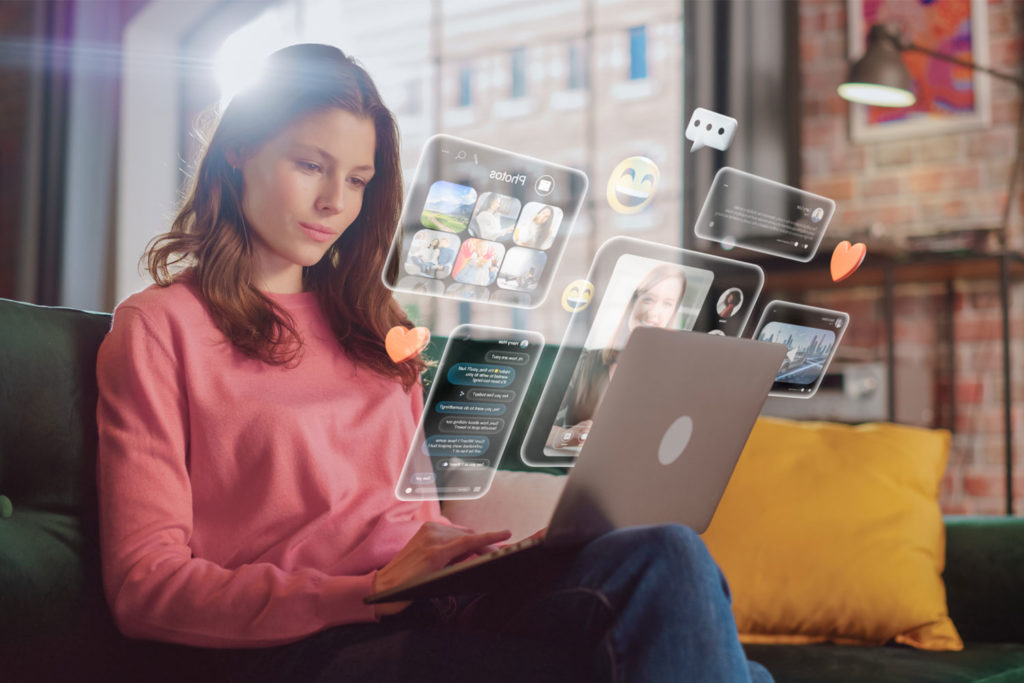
(950,97)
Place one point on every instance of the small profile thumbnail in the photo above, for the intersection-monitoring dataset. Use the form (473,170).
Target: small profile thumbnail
(537,226)
(432,254)
(729,303)
(448,207)
(521,269)
(478,262)
(494,218)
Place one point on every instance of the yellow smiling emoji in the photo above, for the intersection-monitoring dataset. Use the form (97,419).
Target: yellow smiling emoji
(632,184)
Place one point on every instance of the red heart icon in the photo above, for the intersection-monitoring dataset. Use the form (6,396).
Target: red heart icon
(846,259)
(402,344)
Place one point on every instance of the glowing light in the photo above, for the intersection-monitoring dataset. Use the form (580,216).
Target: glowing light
(877,95)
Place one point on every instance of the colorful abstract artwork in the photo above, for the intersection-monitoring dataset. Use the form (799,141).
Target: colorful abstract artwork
(950,97)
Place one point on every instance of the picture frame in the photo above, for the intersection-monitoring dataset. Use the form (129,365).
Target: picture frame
(951,98)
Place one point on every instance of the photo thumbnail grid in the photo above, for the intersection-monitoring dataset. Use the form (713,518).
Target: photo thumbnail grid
(483,224)
(479,241)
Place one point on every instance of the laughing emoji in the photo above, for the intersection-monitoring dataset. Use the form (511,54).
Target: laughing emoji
(632,184)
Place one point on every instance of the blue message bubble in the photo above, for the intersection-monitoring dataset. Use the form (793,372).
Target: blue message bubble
(459,408)
(514,357)
(468,425)
(503,395)
(456,446)
(481,375)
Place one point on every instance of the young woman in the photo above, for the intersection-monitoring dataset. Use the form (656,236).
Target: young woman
(252,428)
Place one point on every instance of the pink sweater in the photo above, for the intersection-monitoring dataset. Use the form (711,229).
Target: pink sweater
(243,504)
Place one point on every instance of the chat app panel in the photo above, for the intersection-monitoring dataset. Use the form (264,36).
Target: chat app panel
(811,335)
(483,224)
(474,400)
(755,213)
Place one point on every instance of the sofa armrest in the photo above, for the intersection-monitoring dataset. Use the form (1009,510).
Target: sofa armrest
(985,577)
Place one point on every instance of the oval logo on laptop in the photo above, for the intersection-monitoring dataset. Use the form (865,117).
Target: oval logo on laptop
(676,438)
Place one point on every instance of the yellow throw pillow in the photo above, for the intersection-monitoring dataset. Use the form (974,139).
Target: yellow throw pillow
(829,532)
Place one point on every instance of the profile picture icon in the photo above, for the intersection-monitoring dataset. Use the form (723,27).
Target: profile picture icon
(729,303)
(817,214)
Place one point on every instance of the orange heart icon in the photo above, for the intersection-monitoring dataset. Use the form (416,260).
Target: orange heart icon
(402,344)
(846,259)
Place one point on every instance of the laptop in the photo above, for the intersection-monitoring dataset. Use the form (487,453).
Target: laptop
(664,442)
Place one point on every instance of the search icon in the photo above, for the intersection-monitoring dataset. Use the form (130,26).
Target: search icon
(460,156)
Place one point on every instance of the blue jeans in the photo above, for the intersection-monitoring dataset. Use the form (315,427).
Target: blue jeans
(638,604)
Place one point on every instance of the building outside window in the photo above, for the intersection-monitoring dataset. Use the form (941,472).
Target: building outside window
(517,86)
(637,53)
(465,86)
(577,68)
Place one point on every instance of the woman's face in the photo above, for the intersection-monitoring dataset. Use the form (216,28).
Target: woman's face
(542,215)
(495,203)
(301,191)
(656,306)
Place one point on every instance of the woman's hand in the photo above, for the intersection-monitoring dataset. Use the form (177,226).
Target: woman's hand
(434,547)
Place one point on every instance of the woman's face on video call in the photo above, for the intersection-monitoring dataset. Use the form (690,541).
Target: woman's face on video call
(304,187)
(656,306)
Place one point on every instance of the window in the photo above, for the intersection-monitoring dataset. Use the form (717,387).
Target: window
(517,87)
(577,68)
(465,86)
(637,53)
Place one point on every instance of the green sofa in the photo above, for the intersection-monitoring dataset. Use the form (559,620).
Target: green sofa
(55,625)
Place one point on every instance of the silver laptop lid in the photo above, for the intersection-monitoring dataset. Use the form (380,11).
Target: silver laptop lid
(668,433)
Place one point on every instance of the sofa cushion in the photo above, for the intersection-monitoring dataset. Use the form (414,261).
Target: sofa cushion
(829,532)
(828,663)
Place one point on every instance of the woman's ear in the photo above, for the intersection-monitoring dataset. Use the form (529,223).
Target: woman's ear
(234,158)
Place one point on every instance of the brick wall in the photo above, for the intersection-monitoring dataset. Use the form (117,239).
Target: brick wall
(922,185)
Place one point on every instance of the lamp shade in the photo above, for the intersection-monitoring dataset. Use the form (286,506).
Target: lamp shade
(879,77)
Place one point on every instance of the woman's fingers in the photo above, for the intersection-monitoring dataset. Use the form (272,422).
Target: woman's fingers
(471,543)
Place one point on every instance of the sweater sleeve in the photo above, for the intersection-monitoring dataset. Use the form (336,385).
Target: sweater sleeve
(155,588)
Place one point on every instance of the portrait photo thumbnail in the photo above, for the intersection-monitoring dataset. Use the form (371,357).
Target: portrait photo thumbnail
(432,254)
(537,225)
(494,218)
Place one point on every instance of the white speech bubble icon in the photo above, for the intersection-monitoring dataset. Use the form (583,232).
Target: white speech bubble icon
(710,129)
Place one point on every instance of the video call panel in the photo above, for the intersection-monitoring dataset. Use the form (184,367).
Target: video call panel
(636,283)
(484,224)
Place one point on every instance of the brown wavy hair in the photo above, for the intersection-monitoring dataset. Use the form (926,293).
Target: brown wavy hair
(209,234)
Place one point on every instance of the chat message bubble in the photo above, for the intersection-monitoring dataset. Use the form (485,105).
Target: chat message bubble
(459,464)
(481,375)
(760,214)
(422,478)
(710,129)
(467,425)
(514,357)
(459,408)
(456,446)
(503,395)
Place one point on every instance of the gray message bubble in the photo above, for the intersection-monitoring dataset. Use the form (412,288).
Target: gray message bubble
(503,395)
(460,408)
(514,357)
(468,425)
(456,446)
